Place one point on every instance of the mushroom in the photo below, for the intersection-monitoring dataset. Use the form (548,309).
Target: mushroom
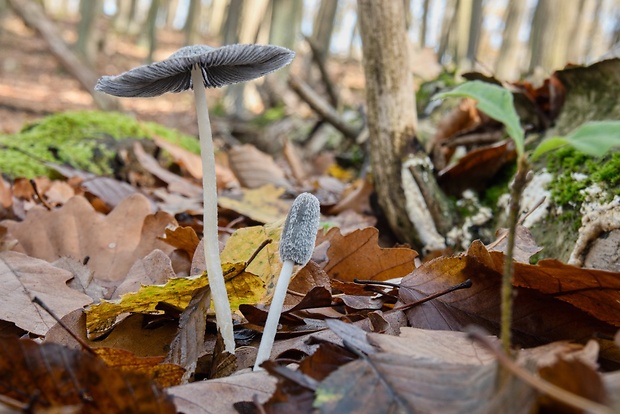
(209,67)
(296,246)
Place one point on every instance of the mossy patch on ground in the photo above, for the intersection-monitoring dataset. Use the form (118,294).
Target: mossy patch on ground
(80,139)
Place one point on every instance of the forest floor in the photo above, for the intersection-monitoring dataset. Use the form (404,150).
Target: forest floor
(33,84)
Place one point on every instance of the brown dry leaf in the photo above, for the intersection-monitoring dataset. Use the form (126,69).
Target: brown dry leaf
(154,269)
(576,377)
(537,318)
(256,169)
(83,280)
(183,238)
(175,203)
(433,346)
(60,377)
(355,198)
(164,375)
(219,395)
(189,343)
(596,292)
(113,242)
(21,279)
(108,189)
(6,195)
(188,161)
(176,183)
(388,383)
(260,204)
(525,245)
(358,256)
(59,193)
(134,334)
(475,169)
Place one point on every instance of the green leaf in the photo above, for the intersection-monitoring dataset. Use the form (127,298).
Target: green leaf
(595,138)
(494,101)
(547,145)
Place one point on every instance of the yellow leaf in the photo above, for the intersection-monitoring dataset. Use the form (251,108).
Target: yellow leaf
(244,242)
(242,286)
(261,204)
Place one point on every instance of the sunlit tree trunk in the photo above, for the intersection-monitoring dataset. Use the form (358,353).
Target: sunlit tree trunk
(424,25)
(579,34)
(392,123)
(507,66)
(230,29)
(217,17)
(324,25)
(190,23)
(446,39)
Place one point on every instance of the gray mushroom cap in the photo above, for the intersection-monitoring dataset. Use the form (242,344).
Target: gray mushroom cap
(220,66)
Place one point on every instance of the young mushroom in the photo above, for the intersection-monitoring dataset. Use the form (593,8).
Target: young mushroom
(201,67)
(296,246)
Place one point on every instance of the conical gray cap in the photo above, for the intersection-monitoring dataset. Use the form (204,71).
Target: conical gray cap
(220,66)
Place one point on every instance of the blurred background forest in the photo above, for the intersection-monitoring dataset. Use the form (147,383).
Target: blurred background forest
(508,39)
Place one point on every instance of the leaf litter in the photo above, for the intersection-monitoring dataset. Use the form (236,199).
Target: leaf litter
(354,335)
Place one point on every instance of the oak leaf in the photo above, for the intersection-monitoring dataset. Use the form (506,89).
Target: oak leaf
(261,204)
(21,279)
(112,243)
(358,256)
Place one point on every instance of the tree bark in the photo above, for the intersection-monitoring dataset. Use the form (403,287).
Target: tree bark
(151,28)
(507,65)
(324,25)
(87,29)
(33,16)
(392,123)
(193,13)
(424,25)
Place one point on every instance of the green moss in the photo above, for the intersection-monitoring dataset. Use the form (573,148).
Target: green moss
(270,115)
(77,139)
(566,162)
(499,185)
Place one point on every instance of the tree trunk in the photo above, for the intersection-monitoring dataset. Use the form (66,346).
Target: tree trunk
(392,123)
(324,25)
(475,28)
(507,65)
(33,16)
(217,17)
(424,26)
(151,28)
(230,30)
(87,29)
(193,13)
(447,35)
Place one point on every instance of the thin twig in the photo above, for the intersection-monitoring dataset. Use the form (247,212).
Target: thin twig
(375,282)
(464,285)
(33,183)
(538,383)
(515,197)
(63,325)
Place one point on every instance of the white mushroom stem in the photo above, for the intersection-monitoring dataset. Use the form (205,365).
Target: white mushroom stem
(275,310)
(210,232)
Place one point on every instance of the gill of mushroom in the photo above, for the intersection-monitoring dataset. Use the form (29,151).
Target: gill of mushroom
(201,67)
(296,246)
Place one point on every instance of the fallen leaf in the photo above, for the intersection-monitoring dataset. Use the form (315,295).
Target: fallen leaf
(154,269)
(175,182)
(358,256)
(243,287)
(133,334)
(244,243)
(83,280)
(60,377)
(21,279)
(112,243)
(255,169)
(183,238)
(525,246)
(536,318)
(164,375)
(187,160)
(387,383)
(433,346)
(261,204)
(219,395)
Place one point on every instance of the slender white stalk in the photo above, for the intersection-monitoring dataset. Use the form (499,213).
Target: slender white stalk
(275,310)
(210,235)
